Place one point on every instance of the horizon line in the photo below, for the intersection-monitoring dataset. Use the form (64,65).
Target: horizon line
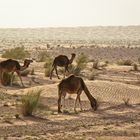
(37,27)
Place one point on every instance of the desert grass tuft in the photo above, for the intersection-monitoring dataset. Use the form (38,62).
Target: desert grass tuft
(30,101)
(16,53)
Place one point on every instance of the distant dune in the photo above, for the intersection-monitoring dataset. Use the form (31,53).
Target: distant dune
(99,34)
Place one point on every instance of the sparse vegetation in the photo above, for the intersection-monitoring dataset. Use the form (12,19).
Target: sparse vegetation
(43,56)
(125,62)
(92,75)
(16,53)
(126,101)
(74,69)
(95,65)
(32,72)
(48,71)
(30,101)
(48,66)
(135,67)
(81,63)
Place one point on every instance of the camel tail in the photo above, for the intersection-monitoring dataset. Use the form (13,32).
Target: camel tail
(92,100)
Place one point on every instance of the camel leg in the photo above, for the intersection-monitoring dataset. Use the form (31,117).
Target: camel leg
(12,76)
(80,103)
(56,72)
(78,95)
(18,73)
(51,73)
(66,70)
(64,95)
(59,102)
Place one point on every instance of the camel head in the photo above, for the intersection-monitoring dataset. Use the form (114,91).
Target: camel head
(73,55)
(27,62)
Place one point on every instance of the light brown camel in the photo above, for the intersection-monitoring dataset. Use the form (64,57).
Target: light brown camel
(12,66)
(62,61)
(74,84)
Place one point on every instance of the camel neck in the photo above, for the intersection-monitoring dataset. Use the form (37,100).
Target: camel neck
(71,59)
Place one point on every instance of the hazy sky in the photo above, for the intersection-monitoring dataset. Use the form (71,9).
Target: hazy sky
(53,13)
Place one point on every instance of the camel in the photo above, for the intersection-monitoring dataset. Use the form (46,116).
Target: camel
(74,84)
(62,61)
(12,66)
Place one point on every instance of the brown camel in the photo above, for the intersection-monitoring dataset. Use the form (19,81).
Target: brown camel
(12,66)
(74,84)
(62,61)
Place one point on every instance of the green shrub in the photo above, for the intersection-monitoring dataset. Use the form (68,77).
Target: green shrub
(74,69)
(16,53)
(30,101)
(82,61)
(48,66)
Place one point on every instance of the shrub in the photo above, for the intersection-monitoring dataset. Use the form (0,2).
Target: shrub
(30,101)
(48,71)
(82,61)
(48,66)
(92,75)
(43,55)
(126,101)
(135,67)
(48,62)
(95,65)
(32,72)
(16,53)
(74,70)
(125,62)
(139,60)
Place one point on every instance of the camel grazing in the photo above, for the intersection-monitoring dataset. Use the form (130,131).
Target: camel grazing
(62,61)
(74,84)
(12,66)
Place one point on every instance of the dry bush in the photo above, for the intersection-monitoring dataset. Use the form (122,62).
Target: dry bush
(125,62)
(74,69)
(95,65)
(29,102)
(48,66)
(135,67)
(43,56)
(16,53)
(93,75)
(82,61)
(48,71)
(126,101)
(32,72)
(139,60)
